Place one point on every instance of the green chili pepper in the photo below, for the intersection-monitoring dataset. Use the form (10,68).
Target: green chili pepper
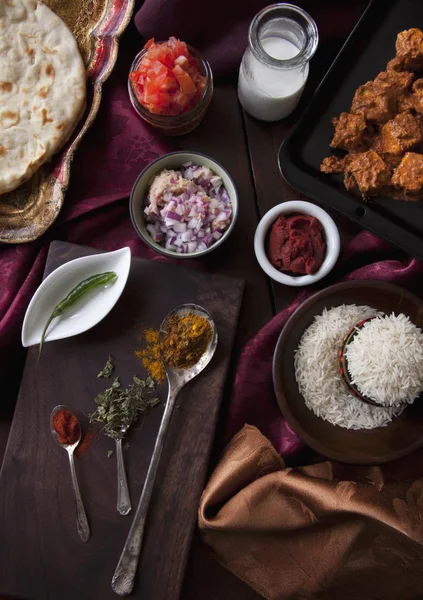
(75,295)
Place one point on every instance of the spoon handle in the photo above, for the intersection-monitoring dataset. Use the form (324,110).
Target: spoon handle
(81,518)
(123,498)
(123,578)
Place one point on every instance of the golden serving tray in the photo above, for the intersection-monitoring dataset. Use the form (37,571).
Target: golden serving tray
(27,212)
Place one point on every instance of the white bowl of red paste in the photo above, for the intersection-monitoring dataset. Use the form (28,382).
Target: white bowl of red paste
(297,243)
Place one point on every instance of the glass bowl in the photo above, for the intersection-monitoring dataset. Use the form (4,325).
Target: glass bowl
(175,124)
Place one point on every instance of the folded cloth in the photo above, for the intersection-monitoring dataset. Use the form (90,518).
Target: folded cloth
(326,531)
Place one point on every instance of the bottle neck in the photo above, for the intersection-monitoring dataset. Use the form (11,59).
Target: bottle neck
(283,37)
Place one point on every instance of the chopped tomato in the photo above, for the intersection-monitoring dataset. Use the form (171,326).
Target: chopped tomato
(158,68)
(186,84)
(166,83)
(168,80)
(181,100)
(183,62)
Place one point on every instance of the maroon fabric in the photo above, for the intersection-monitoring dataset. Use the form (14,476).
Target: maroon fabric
(253,400)
(119,145)
(219,29)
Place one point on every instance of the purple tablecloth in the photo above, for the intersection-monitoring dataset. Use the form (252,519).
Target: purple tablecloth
(115,150)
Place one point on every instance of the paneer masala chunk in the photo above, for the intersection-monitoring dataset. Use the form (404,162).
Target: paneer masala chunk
(401,134)
(408,176)
(398,82)
(377,104)
(409,47)
(349,130)
(406,103)
(394,65)
(332,164)
(368,171)
(418,96)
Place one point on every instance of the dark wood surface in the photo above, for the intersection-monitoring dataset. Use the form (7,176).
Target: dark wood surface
(37,512)
(248,149)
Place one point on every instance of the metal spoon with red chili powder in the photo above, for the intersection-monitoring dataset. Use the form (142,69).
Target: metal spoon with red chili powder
(66,430)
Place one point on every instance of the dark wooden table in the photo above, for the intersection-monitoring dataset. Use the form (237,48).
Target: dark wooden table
(248,149)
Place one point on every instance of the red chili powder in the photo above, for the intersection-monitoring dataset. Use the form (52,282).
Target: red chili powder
(66,426)
(86,440)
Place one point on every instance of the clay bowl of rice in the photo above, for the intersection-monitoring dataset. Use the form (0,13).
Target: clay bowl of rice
(381,360)
(312,393)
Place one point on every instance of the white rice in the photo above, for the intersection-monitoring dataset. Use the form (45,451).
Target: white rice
(317,371)
(385,360)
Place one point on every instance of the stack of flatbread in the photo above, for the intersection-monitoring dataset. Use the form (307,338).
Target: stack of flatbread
(42,88)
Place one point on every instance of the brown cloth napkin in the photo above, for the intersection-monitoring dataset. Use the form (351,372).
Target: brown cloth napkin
(327,530)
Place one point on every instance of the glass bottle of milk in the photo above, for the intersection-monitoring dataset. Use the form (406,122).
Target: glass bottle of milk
(282,39)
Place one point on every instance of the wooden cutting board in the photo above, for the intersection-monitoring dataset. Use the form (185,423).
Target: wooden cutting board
(41,556)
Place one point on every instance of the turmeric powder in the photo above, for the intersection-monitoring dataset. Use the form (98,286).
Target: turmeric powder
(187,339)
(151,356)
(185,343)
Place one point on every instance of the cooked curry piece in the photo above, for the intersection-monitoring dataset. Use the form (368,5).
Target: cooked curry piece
(394,81)
(417,96)
(383,132)
(376,103)
(368,171)
(401,134)
(349,131)
(332,164)
(408,176)
(406,103)
(409,49)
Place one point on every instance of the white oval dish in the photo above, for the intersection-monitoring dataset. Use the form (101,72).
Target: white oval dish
(333,243)
(88,311)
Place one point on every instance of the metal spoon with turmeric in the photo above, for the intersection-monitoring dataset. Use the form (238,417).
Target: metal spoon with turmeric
(191,330)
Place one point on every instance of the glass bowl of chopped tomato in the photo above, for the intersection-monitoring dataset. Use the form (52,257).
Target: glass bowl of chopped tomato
(170,86)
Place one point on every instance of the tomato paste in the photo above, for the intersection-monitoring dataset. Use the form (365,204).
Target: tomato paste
(297,244)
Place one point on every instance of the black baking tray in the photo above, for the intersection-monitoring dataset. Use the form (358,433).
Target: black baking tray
(367,50)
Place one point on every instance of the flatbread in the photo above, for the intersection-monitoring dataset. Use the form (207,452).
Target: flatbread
(42,88)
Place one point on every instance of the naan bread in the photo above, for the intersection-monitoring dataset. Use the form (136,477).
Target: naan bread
(42,88)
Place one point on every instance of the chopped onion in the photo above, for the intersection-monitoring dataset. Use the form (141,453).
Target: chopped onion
(187,236)
(180,227)
(193,220)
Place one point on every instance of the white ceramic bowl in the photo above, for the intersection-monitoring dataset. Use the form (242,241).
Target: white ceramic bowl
(297,207)
(86,313)
(175,160)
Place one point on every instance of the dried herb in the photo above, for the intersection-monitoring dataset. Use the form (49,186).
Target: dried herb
(119,408)
(107,370)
